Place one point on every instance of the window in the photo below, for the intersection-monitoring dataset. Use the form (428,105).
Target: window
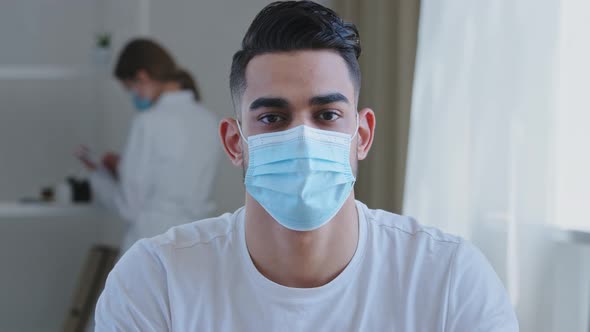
(572,118)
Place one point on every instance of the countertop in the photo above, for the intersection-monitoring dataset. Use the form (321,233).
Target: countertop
(46,210)
(573,235)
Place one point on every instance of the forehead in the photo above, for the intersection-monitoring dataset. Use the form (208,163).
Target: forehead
(297,75)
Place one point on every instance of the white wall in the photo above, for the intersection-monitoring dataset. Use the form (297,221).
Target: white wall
(572,121)
(42,120)
(49,105)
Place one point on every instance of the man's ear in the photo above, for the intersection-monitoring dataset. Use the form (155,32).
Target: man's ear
(230,139)
(366,132)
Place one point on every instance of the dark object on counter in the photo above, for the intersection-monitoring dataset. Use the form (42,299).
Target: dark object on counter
(72,190)
(80,189)
(47,194)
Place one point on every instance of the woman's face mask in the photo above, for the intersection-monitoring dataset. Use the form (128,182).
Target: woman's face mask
(142,93)
(141,104)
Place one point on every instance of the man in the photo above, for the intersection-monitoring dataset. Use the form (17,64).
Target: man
(302,254)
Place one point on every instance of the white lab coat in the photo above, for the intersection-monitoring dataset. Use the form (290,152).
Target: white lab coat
(167,169)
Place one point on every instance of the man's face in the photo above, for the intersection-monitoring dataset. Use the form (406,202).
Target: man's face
(289,89)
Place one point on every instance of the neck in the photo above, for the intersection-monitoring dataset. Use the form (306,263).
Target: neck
(168,87)
(301,259)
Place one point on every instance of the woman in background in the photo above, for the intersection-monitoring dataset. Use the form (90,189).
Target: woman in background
(165,175)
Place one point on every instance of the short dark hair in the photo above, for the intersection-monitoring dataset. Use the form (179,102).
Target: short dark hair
(285,26)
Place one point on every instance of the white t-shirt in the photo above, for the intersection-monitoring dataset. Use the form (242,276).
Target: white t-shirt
(402,277)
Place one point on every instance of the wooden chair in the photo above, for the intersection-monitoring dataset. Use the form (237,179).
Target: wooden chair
(99,263)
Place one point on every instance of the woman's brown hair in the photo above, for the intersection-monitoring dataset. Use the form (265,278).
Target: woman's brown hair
(146,54)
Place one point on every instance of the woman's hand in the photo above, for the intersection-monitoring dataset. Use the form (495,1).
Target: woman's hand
(83,154)
(110,161)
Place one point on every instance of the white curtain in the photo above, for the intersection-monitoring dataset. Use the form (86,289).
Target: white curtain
(482,141)
(388,31)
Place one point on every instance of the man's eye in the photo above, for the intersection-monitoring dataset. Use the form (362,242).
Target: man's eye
(328,116)
(271,118)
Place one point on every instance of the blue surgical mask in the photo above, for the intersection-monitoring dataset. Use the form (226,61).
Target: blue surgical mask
(301,176)
(141,104)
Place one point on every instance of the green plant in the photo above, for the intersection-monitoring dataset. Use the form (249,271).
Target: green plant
(103,40)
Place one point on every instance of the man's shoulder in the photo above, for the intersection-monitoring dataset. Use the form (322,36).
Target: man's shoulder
(407,227)
(203,231)
(428,249)
(189,242)
(152,269)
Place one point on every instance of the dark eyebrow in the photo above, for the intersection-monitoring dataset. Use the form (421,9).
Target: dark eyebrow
(269,102)
(328,99)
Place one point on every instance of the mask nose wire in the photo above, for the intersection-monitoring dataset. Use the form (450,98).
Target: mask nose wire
(356,131)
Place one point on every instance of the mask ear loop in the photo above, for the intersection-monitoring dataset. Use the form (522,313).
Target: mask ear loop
(242,134)
(357,127)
